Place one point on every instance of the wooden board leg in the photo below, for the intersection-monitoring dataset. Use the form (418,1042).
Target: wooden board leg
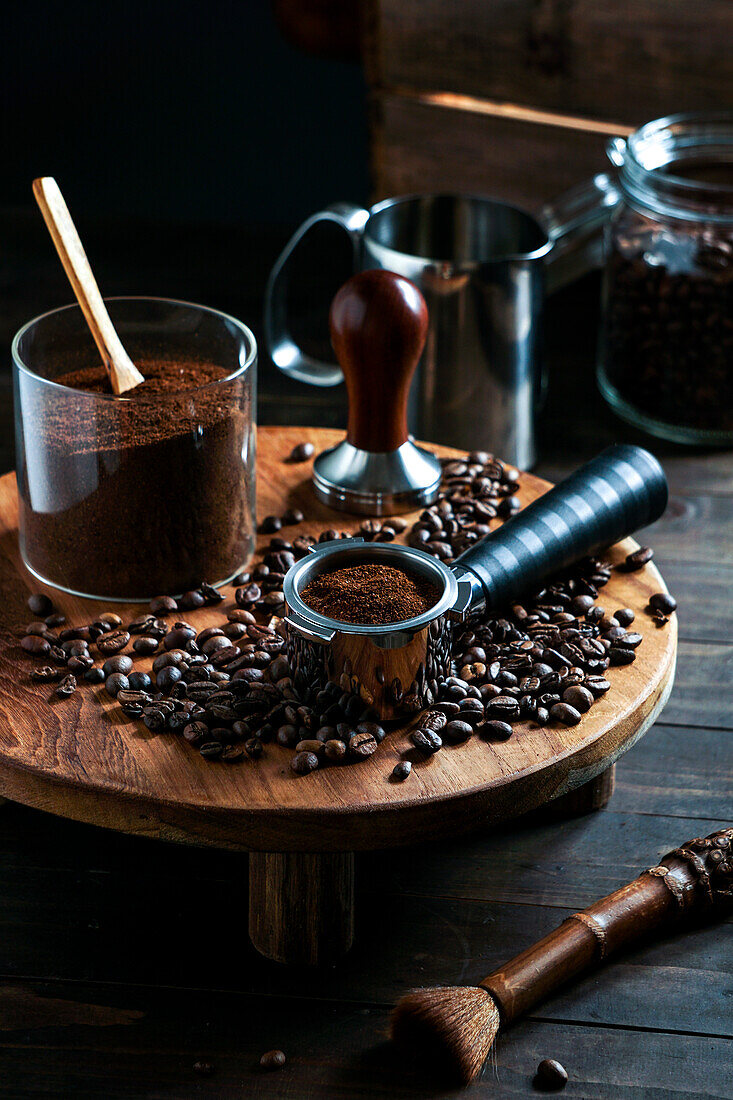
(301,906)
(593,795)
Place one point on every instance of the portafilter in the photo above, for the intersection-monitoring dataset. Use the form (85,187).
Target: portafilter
(394,670)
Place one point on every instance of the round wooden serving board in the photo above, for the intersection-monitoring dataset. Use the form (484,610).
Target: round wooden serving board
(82,759)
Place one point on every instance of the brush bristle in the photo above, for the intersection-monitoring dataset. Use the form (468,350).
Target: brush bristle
(453,1024)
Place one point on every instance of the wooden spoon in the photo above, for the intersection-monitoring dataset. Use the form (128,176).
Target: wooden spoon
(123,374)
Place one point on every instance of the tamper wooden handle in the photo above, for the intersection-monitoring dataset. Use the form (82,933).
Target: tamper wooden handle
(379,322)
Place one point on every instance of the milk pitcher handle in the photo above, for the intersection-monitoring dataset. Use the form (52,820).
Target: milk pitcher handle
(574,223)
(286,354)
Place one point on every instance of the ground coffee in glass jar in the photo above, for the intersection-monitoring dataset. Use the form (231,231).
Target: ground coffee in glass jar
(370,595)
(145,494)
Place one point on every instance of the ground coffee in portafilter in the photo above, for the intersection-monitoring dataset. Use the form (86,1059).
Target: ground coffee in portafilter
(139,495)
(370,594)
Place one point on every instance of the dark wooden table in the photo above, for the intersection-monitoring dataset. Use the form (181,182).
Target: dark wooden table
(123,962)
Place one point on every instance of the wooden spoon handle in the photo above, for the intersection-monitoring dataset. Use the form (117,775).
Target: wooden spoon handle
(123,373)
(694,877)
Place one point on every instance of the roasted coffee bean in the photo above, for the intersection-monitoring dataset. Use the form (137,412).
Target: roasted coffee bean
(663,603)
(426,741)
(40,630)
(638,559)
(253,747)
(503,707)
(362,744)
(145,645)
(94,675)
(38,647)
(618,655)
(273,1059)
(178,636)
(79,663)
(287,735)
(40,604)
(630,640)
(167,677)
(46,674)
(114,642)
(211,595)
(195,732)
(163,605)
(211,750)
(310,744)
(581,698)
(304,762)
(192,599)
(67,686)
(371,729)
(565,714)
(334,750)
(301,452)
(597,685)
(270,524)
(140,681)
(456,731)
(624,616)
(292,517)
(435,719)
(116,681)
(232,753)
(401,770)
(56,618)
(247,597)
(508,506)
(495,730)
(550,1075)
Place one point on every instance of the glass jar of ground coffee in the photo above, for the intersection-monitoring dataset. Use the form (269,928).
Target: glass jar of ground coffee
(151,492)
(666,348)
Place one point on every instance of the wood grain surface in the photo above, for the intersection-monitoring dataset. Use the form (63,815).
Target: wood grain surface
(626,63)
(81,759)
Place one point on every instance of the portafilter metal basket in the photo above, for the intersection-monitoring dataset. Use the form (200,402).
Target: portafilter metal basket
(395,670)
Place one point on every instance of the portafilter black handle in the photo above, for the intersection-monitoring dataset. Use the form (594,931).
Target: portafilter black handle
(613,495)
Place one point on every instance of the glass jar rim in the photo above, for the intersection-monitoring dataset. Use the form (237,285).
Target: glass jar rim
(149,397)
(647,159)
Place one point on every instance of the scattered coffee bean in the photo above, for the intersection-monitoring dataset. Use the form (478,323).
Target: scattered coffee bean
(334,750)
(581,698)
(163,605)
(663,603)
(426,741)
(211,750)
(292,517)
(67,686)
(565,714)
(495,730)
(304,762)
(551,1075)
(205,1069)
(39,647)
(114,642)
(273,1059)
(145,645)
(362,744)
(456,731)
(232,753)
(270,524)
(638,559)
(46,675)
(401,770)
(301,452)
(40,604)
(624,616)
(116,681)
(189,601)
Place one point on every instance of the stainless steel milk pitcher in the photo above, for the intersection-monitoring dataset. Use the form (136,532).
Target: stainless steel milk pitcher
(482,266)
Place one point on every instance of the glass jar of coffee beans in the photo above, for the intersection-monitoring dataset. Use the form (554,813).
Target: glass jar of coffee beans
(666,349)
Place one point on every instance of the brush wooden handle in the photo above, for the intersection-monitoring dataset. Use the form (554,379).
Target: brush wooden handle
(123,373)
(697,876)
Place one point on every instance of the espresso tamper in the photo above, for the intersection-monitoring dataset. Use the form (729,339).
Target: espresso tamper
(378,322)
(396,669)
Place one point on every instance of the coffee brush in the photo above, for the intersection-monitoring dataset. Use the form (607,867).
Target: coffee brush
(457,1025)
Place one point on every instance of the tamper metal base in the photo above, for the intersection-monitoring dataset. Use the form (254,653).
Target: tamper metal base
(376,484)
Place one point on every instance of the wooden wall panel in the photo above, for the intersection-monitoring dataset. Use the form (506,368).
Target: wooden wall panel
(625,61)
(420,147)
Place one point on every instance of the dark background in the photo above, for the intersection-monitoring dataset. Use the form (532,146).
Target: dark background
(181,111)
